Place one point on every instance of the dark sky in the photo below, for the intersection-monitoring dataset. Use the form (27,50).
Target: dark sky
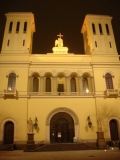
(61,16)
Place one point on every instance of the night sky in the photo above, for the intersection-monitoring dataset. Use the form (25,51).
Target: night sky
(61,16)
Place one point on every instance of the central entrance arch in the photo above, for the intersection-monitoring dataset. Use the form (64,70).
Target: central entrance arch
(61,128)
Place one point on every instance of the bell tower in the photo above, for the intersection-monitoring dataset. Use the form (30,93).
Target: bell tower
(18,34)
(98,35)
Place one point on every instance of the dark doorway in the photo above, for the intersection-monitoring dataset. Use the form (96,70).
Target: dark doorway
(61,128)
(8,133)
(114,130)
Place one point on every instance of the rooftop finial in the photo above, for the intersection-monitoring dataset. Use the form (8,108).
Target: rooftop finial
(59,41)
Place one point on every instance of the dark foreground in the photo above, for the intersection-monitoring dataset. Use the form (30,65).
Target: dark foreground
(110,154)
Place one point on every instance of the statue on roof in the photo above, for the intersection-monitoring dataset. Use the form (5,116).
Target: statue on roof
(59,41)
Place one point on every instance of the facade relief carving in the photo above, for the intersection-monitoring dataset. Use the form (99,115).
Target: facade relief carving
(54,73)
(80,73)
(42,73)
(67,73)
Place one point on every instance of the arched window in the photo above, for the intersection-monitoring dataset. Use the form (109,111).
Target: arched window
(25,27)
(85,84)
(48,84)
(93,28)
(73,85)
(10,27)
(108,80)
(17,27)
(35,84)
(11,81)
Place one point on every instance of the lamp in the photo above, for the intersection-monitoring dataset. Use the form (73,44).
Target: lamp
(89,122)
(36,123)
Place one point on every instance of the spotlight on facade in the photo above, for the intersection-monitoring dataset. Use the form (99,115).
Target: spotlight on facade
(36,123)
(89,122)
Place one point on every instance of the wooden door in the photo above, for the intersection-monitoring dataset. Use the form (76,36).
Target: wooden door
(61,128)
(65,135)
(114,130)
(9,133)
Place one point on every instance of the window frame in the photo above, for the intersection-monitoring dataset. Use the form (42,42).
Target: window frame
(109,81)
(11,81)
(73,84)
(48,84)
(85,84)
(25,27)
(10,27)
(93,28)
(17,27)
(100,29)
(107,29)
(35,84)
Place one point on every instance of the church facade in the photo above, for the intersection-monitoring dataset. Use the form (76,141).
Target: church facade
(68,97)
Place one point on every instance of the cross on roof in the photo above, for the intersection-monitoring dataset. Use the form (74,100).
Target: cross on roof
(60,35)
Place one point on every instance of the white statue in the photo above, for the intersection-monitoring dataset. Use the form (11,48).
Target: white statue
(59,41)
(30,125)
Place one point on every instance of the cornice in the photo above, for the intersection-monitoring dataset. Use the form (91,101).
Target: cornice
(105,63)
(15,62)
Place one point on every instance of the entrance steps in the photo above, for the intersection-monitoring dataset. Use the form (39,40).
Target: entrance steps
(6,147)
(65,147)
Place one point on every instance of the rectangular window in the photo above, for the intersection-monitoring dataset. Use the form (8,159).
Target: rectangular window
(10,27)
(8,42)
(100,28)
(93,28)
(23,42)
(60,87)
(25,27)
(107,29)
(110,44)
(17,27)
(95,44)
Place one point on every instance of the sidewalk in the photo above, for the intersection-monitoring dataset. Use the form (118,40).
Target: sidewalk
(110,154)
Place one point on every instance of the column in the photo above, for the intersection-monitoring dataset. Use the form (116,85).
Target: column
(67,85)
(55,85)
(80,85)
(42,85)
(93,85)
(28,87)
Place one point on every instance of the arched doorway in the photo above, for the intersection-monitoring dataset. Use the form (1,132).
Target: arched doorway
(8,132)
(61,128)
(114,130)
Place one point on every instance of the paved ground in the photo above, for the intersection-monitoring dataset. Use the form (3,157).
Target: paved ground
(62,155)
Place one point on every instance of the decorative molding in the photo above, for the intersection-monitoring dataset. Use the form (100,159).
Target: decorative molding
(89,73)
(31,73)
(110,72)
(42,73)
(12,71)
(54,73)
(67,73)
(62,109)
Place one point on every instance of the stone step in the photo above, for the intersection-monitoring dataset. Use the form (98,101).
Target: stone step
(6,147)
(65,147)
